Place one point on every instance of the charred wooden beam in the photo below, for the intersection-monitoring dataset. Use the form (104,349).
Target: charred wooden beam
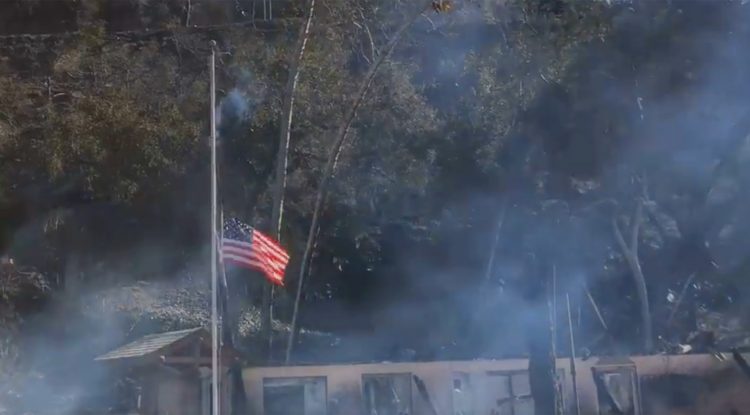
(741,362)
(422,388)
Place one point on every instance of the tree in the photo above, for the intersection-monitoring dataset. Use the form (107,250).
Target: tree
(334,154)
(283,151)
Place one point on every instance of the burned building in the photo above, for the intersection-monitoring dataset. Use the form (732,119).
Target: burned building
(168,373)
(638,385)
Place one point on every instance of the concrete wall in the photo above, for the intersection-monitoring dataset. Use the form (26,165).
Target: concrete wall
(729,390)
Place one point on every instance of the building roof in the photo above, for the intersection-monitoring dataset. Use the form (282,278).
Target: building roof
(149,344)
(614,361)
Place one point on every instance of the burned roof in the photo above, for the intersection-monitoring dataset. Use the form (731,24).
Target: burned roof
(149,344)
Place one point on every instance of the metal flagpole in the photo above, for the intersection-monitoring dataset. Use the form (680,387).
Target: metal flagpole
(214,247)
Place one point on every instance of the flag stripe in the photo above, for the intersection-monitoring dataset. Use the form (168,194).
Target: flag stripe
(268,248)
(243,260)
(267,240)
(230,249)
(270,254)
(265,243)
(260,259)
(233,242)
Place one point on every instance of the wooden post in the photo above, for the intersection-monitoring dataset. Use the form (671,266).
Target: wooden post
(598,313)
(552,305)
(576,403)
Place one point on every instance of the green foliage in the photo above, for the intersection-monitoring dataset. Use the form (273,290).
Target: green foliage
(118,117)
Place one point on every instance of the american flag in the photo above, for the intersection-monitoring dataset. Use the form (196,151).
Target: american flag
(246,247)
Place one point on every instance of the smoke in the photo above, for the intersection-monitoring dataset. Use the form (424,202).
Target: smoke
(103,299)
(234,107)
(238,107)
(57,373)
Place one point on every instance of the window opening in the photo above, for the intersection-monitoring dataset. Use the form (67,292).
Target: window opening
(387,394)
(294,396)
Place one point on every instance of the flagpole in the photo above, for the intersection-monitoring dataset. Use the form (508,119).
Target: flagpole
(214,247)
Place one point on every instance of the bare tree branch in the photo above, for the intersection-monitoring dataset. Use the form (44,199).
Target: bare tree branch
(635,227)
(495,241)
(373,51)
(679,299)
(286,125)
(618,237)
(188,11)
(598,313)
(631,256)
